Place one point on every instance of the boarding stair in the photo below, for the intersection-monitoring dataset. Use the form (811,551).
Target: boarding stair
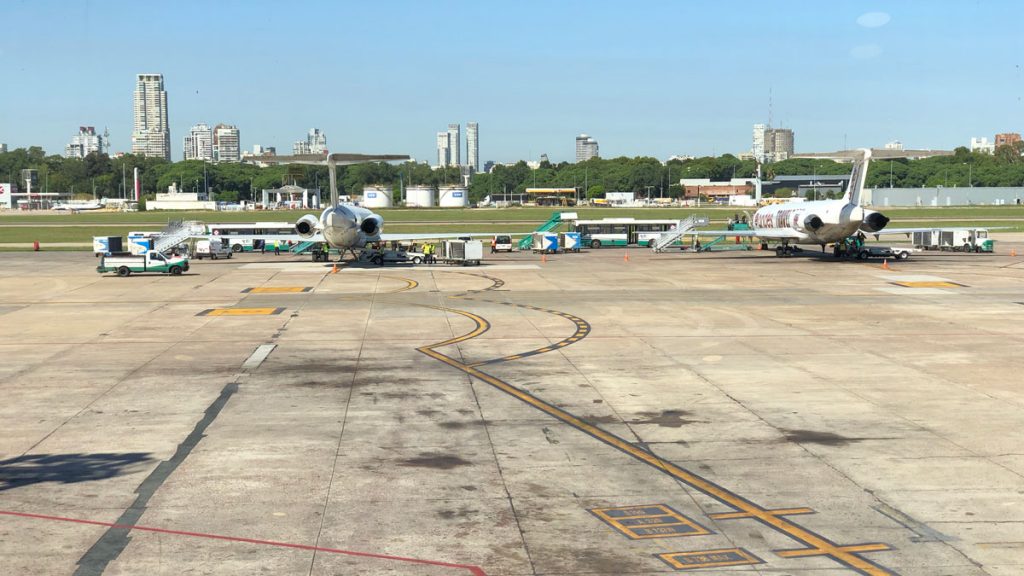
(526,242)
(707,247)
(303,246)
(681,228)
(177,232)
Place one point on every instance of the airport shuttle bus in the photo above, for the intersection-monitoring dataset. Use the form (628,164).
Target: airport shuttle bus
(245,236)
(621,231)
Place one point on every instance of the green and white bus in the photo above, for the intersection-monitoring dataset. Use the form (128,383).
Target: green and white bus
(621,231)
(240,235)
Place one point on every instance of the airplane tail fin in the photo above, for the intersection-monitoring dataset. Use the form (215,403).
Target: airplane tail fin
(858,175)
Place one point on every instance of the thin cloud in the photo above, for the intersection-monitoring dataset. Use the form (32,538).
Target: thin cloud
(874,19)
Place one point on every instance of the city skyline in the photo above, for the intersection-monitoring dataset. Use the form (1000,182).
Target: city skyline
(662,92)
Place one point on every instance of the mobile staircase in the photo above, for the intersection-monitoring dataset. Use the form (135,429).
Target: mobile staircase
(526,242)
(681,228)
(302,247)
(177,232)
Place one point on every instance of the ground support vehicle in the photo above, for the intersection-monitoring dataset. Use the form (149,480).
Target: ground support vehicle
(959,240)
(213,249)
(464,252)
(151,261)
(545,242)
(894,252)
(107,245)
(382,256)
(501,243)
(570,241)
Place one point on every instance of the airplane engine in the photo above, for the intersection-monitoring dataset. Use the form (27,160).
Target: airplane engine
(306,226)
(873,221)
(813,223)
(371,225)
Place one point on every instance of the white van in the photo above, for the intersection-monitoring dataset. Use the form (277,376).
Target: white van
(212,249)
(501,243)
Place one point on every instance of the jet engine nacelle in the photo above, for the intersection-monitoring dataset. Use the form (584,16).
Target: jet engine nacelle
(306,226)
(813,223)
(371,225)
(873,221)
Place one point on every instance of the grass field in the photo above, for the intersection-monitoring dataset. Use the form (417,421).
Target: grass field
(53,228)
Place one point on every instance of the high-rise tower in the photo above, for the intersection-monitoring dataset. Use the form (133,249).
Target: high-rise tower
(473,146)
(151,135)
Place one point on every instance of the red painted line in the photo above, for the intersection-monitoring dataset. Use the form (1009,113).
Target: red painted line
(475,570)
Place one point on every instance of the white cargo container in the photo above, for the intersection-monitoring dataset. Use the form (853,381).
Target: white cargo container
(419,196)
(464,252)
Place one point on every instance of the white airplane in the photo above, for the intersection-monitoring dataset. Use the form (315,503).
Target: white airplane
(822,222)
(77,206)
(344,226)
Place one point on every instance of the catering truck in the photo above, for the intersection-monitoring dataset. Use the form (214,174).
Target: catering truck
(151,261)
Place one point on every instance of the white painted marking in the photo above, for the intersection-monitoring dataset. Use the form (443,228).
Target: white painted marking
(914,291)
(320,268)
(258,356)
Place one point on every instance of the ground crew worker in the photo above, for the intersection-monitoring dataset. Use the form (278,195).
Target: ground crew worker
(277,247)
(494,244)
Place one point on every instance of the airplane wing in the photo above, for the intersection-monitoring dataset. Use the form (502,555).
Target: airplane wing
(909,231)
(322,159)
(435,236)
(769,233)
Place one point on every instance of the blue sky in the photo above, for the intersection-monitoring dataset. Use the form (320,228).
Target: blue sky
(643,78)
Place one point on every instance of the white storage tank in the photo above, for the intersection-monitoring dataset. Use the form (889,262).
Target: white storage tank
(453,197)
(419,196)
(377,196)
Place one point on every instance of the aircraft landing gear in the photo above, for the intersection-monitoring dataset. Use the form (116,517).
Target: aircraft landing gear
(785,250)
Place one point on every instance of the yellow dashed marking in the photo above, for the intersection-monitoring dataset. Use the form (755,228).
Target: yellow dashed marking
(241,312)
(930,284)
(277,290)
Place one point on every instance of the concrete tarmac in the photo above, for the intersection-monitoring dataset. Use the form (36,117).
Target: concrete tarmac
(724,413)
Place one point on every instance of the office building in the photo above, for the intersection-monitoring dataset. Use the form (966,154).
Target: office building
(86,142)
(586,148)
(778,144)
(443,150)
(3,148)
(198,144)
(982,145)
(315,143)
(226,144)
(455,145)
(758,147)
(473,146)
(151,134)
(1007,139)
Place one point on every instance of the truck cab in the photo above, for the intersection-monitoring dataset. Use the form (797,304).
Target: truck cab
(150,261)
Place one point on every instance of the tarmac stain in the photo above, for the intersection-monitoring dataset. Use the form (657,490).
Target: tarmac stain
(433,460)
(815,437)
(665,418)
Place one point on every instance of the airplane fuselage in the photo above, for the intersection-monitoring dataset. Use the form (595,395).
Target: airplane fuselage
(820,222)
(343,227)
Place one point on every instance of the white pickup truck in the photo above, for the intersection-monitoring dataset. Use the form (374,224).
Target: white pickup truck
(151,261)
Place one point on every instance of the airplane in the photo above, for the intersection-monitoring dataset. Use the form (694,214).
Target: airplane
(77,206)
(824,222)
(343,226)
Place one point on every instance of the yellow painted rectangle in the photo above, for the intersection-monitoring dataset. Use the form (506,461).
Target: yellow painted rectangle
(277,290)
(649,521)
(241,312)
(710,559)
(930,284)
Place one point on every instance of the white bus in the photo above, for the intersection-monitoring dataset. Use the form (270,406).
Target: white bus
(245,236)
(621,231)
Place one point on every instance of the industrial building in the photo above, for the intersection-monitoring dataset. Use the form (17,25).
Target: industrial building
(941,196)
(291,196)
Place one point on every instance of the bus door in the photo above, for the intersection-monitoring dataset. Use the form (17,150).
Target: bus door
(632,236)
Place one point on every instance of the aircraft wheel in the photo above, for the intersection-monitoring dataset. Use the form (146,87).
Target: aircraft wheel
(780,251)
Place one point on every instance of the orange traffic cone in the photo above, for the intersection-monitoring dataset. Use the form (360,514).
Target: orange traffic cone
(885,264)
(625,256)
(334,269)
(543,257)
(1013,253)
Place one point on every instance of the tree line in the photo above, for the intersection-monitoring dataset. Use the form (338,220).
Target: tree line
(100,176)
